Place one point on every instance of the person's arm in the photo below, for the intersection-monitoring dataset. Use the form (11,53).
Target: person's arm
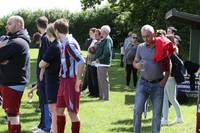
(137,60)
(8,51)
(3,43)
(165,65)
(42,70)
(30,92)
(76,54)
(79,74)
(137,64)
(43,65)
(164,80)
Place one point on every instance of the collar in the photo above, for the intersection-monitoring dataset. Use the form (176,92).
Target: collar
(150,46)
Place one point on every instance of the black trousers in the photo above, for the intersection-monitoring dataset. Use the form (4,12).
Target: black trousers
(93,81)
(85,80)
(131,70)
(121,61)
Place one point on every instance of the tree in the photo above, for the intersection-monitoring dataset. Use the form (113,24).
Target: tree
(135,13)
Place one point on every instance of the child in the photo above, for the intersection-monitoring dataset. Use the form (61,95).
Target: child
(50,65)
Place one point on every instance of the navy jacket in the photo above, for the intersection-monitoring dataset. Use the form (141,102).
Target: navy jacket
(17,70)
(43,47)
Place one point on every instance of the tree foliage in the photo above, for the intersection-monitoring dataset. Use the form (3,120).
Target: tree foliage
(122,16)
(80,22)
(135,13)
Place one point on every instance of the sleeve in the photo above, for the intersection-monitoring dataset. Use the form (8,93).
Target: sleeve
(75,53)
(8,51)
(49,55)
(165,64)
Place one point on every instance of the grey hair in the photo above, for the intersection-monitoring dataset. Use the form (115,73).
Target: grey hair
(19,20)
(147,28)
(106,28)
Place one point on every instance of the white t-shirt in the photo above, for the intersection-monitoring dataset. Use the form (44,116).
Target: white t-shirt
(122,51)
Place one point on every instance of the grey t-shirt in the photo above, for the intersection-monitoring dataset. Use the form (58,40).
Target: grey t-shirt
(151,70)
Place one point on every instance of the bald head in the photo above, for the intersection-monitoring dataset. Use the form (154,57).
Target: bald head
(15,24)
(18,20)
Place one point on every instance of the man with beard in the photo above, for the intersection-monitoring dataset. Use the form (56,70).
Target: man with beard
(15,70)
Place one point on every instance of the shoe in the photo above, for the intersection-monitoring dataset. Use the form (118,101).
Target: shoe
(177,120)
(35,128)
(39,131)
(164,122)
(37,109)
(126,88)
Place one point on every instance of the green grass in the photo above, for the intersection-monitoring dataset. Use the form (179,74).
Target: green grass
(113,116)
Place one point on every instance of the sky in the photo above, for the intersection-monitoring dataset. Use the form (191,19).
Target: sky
(8,6)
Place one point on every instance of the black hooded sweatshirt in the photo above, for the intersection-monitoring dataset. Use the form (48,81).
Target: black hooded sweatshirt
(16,51)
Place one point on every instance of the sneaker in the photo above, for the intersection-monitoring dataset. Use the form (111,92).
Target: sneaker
(39,131)
(164,122)
(177,120)
(126,88)
(35,128)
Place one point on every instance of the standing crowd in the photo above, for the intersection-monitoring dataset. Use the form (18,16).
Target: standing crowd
(60,67)
(59,71)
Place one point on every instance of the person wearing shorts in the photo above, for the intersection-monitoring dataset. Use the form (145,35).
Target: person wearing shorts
(50,64)
(72,65)
(15,70)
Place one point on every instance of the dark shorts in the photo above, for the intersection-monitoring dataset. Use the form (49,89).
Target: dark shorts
(52,91)
(11,100)
(67,96)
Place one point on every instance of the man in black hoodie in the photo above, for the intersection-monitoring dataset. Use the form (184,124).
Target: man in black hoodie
(15,68)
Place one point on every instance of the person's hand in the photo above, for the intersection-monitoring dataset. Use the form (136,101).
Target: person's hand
(162,83)
(140,65)
(97,61)
(30,93)
(3,43)
(30,96)
(4,62)
(77,85)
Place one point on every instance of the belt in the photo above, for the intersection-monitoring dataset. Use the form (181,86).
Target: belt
(151,81)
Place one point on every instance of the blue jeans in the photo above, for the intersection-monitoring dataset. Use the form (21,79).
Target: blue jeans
(45,119)
(155,92)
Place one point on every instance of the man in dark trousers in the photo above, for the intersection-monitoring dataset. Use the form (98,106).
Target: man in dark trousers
(14,59)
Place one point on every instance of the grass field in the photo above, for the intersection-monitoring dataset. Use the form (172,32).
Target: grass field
(113,116)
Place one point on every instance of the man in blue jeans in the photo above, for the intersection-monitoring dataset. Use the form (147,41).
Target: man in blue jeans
(152,80)
(45,119)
